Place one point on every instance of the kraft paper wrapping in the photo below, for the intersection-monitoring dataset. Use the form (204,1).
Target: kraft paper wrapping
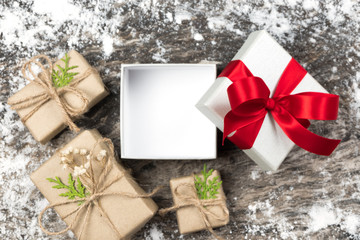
(49,120)
(189,218)
(127,214)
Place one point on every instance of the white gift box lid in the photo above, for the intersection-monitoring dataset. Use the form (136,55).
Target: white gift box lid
(266,59)
(158,116)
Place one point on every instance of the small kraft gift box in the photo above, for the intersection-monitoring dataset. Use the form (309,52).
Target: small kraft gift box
(91,192)
(56,96)
(263,101)
(199,202)
(158,117)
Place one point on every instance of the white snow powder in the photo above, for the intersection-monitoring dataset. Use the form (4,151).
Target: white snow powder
(198,37)
(155,233)
(60,11)
(169,16)
(351,224)
(181,16)
(321,217)
(159,55)
(79,24)
(310,4)
(254,175)
(107,45)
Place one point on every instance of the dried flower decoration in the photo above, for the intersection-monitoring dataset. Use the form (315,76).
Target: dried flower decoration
(103,152)
(65,153)
(78,170)
(83,152)
(87,164)
(70,149)
(101,155)
(63,159)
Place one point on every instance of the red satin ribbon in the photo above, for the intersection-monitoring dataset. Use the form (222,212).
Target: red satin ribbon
(250,101)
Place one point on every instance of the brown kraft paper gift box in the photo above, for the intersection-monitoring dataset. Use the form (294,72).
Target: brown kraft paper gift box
(189,218)
(49,120)
(127,214)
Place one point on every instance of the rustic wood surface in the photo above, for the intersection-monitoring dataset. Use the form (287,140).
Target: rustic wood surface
(309,197)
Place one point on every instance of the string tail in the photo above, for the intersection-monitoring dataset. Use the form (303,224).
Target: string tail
(73,126)
(156,190)
(76,212)
(162,212)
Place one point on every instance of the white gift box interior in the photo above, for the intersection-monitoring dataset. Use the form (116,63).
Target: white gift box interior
(266,59)
(159,119)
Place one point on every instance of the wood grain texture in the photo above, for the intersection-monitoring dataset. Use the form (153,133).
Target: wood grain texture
(263,205)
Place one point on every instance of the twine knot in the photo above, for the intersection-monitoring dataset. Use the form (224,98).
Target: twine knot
(93,198)
(44,79)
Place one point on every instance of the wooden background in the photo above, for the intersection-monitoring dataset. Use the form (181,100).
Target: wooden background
(309,197)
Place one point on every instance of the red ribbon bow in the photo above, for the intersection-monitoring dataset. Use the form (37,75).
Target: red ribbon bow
(250,101)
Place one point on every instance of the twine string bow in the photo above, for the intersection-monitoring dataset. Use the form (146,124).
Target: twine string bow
(44,79)
(190,199)
(97,189)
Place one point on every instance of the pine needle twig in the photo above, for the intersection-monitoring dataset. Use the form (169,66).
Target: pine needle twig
(206,188)
(73,192)
(63,77)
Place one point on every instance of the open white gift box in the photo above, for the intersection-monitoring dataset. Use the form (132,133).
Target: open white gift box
(266,59)
(159,119)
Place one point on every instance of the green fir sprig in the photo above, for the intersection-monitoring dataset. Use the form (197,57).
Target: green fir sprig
(206,188)
(63,77)
(73,192)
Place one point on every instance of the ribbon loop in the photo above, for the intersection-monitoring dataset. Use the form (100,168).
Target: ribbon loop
(239,91)
(312,105)
(249,101)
